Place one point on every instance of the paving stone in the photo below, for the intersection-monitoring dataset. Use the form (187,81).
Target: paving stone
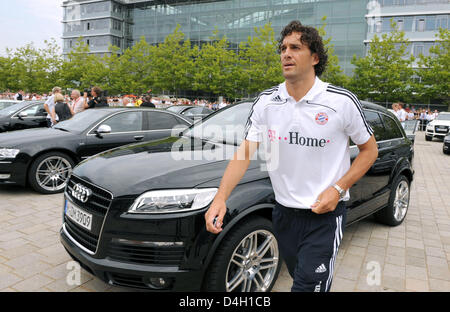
(8,279)
(34,283)
(414,272)
(416,285)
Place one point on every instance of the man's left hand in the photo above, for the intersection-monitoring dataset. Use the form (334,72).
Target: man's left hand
(326,202)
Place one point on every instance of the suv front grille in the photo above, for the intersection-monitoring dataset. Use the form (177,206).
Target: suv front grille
(98,204)
(99,201)
(83,237)
(168,256)
(441,129)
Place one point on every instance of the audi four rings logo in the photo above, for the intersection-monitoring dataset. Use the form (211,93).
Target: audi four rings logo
(81,193)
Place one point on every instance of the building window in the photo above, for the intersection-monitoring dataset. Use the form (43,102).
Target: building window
(418,50)
(400,24)
(88,26)
(420,24)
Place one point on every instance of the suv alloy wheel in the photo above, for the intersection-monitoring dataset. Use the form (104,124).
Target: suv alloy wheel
(248,259)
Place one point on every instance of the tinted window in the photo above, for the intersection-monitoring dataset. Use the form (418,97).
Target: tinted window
(227,126)
(158,121)
(125,122)
(392,129)
(193,111)
(375,122)
(35,110)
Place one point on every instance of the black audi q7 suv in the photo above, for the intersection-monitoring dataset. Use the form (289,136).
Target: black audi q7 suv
(134,216)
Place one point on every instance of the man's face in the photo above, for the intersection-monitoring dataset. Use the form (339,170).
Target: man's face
(296,59)
(74,95)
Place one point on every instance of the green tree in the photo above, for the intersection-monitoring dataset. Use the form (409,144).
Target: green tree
(33,69)
(132,71)
(173,63)
(216,68)
(82,69)
(8,80)
(386,72)
(434,71)
(260,66)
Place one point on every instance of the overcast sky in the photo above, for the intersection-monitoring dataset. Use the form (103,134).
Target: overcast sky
(26,21)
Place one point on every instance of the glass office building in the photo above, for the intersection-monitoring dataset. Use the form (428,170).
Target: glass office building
(124,22)
(419,19)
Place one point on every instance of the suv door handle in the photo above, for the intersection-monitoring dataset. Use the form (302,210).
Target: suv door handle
(138,137)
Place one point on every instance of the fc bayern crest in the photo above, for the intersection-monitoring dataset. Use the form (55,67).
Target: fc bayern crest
(321,118)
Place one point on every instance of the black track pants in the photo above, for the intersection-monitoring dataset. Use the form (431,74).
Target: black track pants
(309,244)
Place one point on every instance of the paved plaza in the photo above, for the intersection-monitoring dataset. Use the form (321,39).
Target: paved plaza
(414,256)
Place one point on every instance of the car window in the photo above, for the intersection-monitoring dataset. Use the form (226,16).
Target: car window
(374,120)
(160,120)
(125,122)
(228,126)
(443,117)
(392,129)
(35,110)
(193,111)
(6,104)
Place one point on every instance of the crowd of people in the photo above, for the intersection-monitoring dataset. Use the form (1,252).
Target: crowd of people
(61,106)
(425,116)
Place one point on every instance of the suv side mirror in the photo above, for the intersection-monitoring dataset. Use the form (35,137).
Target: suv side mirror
(103,129)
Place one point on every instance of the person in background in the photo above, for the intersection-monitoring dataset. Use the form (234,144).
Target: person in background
(148,102)
(127,102)
(49,106)
(61,108)
(19,96)
(77,101)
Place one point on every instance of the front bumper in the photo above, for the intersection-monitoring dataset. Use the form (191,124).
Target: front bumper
(125,274)
(131,249)
(13,171)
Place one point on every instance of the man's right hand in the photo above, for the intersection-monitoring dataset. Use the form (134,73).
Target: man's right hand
(218,209)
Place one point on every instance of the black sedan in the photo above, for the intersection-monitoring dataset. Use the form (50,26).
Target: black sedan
(44,158)
(190,111)
(136,225)
(23,115)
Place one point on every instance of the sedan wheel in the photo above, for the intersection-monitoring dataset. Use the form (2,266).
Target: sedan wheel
(49,173)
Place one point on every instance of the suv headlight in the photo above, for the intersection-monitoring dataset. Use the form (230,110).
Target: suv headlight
(8,152)
(171,201)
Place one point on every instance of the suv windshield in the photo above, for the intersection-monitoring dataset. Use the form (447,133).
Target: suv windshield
(227,126)
(443,117)
(81,121)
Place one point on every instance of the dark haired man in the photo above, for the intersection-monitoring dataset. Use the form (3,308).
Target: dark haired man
(148,101)
(310,123)
(98,100)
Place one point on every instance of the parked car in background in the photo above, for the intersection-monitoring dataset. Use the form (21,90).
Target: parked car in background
(191,112)
(439,127)
(7,103)
(23,115)
(44,158)
(446,145)
(138,225)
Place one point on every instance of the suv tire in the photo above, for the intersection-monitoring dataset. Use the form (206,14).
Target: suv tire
(241,265)
(398,205)
(428,138)
(50,172)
